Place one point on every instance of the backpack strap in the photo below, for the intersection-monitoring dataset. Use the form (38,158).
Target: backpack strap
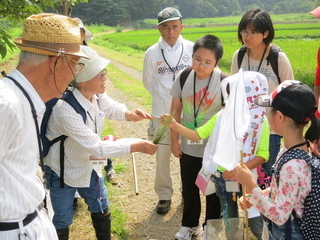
(70,98)
(241,53)
(273,60)
(223,75)
(184,75)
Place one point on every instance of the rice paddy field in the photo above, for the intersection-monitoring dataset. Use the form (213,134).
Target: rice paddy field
(300,41)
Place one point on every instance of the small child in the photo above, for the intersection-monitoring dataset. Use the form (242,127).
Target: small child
(255,147)
(198,100)
(293,107)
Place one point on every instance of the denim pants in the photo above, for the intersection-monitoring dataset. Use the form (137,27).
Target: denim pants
(189,169)
(274,148)
(278,232)
(229,208)
(94,196)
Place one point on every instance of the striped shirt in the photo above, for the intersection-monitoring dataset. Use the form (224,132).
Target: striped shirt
(83,138)
(21,192)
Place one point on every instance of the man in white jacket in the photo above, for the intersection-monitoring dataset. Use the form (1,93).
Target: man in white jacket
(163,61)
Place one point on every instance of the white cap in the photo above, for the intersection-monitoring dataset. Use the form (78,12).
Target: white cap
(92,66)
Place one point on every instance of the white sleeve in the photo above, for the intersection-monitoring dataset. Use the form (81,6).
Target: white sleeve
(111,108)
(71,124)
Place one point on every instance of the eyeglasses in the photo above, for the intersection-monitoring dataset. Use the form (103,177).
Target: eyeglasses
(102,74)
(205,65)
(79,66)
(245,33)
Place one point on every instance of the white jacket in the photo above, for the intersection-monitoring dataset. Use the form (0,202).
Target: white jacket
(158,76)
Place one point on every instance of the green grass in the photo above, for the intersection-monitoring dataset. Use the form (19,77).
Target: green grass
(299,41)
(234,20)
(131,87)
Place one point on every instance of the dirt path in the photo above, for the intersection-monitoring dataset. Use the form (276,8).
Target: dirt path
(143,222)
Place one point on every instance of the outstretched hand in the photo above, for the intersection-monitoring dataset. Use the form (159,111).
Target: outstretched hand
(144,146)
(137,115)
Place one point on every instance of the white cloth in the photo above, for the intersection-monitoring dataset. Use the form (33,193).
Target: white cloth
(21,192)
(83,138)
(157,76)
(238,126)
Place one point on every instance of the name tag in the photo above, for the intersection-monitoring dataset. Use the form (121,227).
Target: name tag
(232,186)
(200,142)
(98,161)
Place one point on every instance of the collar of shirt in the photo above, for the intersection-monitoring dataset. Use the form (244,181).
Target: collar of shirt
(165,46)
(85,103)
(36,99)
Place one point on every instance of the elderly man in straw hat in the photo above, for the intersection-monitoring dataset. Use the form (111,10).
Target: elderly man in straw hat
(50,49)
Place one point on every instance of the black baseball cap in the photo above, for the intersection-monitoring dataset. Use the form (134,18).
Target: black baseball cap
(293,98)
(168,14)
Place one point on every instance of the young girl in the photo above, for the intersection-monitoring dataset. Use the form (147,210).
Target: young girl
(256,145)
(293,107)
(256,32)
(199,99)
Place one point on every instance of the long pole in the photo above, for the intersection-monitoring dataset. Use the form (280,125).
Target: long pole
(135,173)
(244,190)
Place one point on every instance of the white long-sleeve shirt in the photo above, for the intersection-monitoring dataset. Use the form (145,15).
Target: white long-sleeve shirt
(83,138)
(157,75)
(21,191)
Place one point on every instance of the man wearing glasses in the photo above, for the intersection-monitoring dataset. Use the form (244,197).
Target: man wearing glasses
(50,50)
(163,61)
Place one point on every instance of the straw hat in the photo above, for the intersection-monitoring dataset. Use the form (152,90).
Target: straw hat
(50,34)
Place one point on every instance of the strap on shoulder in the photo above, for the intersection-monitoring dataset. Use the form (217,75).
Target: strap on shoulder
(70,98)
(184,75)
(241,53)
(273,60)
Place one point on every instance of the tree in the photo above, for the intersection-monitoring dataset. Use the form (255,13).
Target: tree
(17,10)
(108,12)
(68,5)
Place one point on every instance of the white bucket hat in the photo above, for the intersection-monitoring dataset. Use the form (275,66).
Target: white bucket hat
(92,66)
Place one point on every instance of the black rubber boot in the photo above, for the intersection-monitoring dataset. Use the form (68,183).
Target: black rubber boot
(63,234)
(102,225)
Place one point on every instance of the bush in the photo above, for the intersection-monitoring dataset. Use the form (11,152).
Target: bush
(119,28)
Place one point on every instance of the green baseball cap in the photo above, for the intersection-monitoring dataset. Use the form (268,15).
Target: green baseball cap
(168,14)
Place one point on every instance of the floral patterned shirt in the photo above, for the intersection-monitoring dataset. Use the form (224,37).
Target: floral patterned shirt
(294,185)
